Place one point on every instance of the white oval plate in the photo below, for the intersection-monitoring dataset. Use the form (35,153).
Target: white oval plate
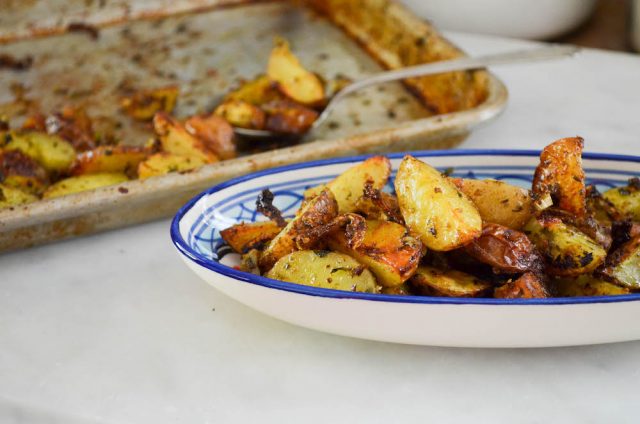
(437,321)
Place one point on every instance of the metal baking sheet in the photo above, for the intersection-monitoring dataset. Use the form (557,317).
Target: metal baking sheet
(206,54)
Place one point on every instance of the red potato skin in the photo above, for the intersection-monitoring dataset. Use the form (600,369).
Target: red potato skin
(528,286)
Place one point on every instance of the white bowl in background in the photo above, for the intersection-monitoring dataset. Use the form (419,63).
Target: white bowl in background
(532,19)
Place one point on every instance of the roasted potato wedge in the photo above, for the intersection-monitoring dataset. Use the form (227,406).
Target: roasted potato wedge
(21,171)
(83,183)
(566,250)
(433,208)
(123,159)
(430,281)
(163,163)
(623,265)
(258,91)
(318,211)
(560,174)
(381,206)
(242,114)
(293,80)
(386,249)
(287,117)
(527,286)
(73,125)
(498,202)
(11,196)
(175,139)
(320,268)
(587,285)
(506,250)
(348,187)
(403,289)
(249,262)
(142,105)
(215,132)
(51,151)
(626,199)
(244,237)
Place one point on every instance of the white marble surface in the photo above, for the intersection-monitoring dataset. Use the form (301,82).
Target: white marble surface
(115,329)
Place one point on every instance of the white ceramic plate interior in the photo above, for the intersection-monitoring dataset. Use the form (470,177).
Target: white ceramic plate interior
(420,320)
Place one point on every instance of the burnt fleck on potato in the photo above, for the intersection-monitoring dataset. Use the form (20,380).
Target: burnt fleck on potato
(560,174)
(141,105)
(22,172)
(623,265)
(566,250)
(244,237)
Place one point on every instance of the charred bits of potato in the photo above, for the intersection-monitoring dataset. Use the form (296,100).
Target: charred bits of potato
(430,281)
(244,237)
(386,249)
(433,208)
(566,250)
(287,117)
(124,159)
(292,78)
(506,250)
(175,139)
(74,125)
(142,105)
(22,172)
(215,132)
(348,187)
(498,202)
(623,265)
(586,285)
(329,270)
(527,286)
(318,211)
(626,199)
(560,174)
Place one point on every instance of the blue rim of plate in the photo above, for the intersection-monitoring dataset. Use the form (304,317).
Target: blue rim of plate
(184,248)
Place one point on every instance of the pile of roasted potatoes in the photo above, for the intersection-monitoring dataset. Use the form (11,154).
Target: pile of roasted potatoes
(66,152)
(456,237)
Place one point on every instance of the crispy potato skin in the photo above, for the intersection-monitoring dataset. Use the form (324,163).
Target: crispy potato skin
(162,163)
(242,114)
(498,202)
(430,281)
(143,104)
(567,251)
(587,285)
(123,159)
(598,231)
(83,183)
(560,174)
(506,250)
(626,199)
(433,208)
(292,79)
(73,125)
(386,249)
(215,132)
(287,117)
(244,237)
(329,270)
(623,265)
(348,187)
(318,211)
(21,171)
(527,286)
(175,139)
